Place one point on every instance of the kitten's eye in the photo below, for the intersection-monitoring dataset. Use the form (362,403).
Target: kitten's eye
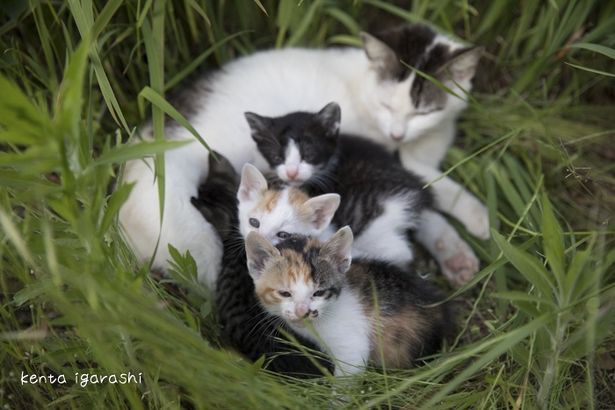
(319,293)
(386,106)
(254,222)
(283,235)
(284,293)
(276,159)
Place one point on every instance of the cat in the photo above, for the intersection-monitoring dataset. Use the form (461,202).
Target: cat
(381,201)
(357,311)
(244,325)
(380,96)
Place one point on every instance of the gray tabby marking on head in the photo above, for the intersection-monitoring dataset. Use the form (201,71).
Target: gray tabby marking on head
(396,53)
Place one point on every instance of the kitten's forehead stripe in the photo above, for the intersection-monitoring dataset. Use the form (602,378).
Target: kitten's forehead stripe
(269,201)
(296,197)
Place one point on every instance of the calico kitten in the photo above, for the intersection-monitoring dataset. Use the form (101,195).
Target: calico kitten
(245,326)
(358,312)
(381,97)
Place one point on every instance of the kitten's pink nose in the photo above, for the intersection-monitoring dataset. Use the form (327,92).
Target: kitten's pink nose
(397,136)
(292,172)
(302,310)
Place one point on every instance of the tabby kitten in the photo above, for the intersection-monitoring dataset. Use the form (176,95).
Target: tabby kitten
(245,326)
(357,312)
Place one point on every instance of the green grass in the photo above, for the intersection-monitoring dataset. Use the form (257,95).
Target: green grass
(77,77)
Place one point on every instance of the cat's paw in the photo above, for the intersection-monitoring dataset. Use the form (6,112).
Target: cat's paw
(475,217)
(457,261)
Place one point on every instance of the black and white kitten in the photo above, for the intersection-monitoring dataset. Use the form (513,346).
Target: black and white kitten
(380,200)
(245,326)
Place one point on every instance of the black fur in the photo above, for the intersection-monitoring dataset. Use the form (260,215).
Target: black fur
(217,200)
(396,289)
(364,173)
(410,43)
(245,326)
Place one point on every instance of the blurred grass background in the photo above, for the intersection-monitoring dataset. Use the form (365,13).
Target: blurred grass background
(77,77)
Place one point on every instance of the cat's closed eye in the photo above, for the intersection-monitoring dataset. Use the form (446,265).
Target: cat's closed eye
(319,293)
(386,105)
(283,235)
(284,293)
(254,222)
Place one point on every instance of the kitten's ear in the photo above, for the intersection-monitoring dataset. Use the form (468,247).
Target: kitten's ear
(382,57)
(330,117)
(259,126)
(258,252)
(319,210)
(338,250)
(220,165)
(462,66)
(252,184)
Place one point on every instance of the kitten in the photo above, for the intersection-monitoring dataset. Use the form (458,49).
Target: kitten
(244,325)
(358,312)
(381,201)
(381,98)
(284,210)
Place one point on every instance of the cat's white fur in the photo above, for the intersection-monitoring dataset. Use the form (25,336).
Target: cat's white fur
(274,83)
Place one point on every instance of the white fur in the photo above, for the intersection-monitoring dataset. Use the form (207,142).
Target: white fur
(455,257)
(342,331)
(273,83)
(294,167)
(385,237)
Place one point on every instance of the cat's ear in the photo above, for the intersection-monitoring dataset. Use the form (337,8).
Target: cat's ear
(252,184)
(330,117)
(319,211)
(259,126)
(382,57)
(220,165)
(462,66)
(338,250)
(258,252)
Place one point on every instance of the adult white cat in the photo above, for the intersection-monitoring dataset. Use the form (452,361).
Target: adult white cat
(380,97)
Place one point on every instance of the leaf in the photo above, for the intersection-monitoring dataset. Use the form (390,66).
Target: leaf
(591,70)
(597,48)
(552,241)
(19,115)
(521,296)
(70,95)
(127,152)
(156,99)
(113,206)
(526,264)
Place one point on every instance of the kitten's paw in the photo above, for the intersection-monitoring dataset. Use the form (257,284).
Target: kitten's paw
(475,217)
(457,261)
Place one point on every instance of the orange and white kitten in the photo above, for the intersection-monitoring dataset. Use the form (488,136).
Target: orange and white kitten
(358,312)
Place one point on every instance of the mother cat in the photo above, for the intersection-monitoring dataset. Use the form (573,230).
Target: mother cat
(381,97)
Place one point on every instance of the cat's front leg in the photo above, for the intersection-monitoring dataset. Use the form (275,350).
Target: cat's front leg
(451,197)
(455,257)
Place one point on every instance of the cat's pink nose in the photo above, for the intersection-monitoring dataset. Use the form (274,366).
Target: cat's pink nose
(292,172)
(397,136)
(302,310)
